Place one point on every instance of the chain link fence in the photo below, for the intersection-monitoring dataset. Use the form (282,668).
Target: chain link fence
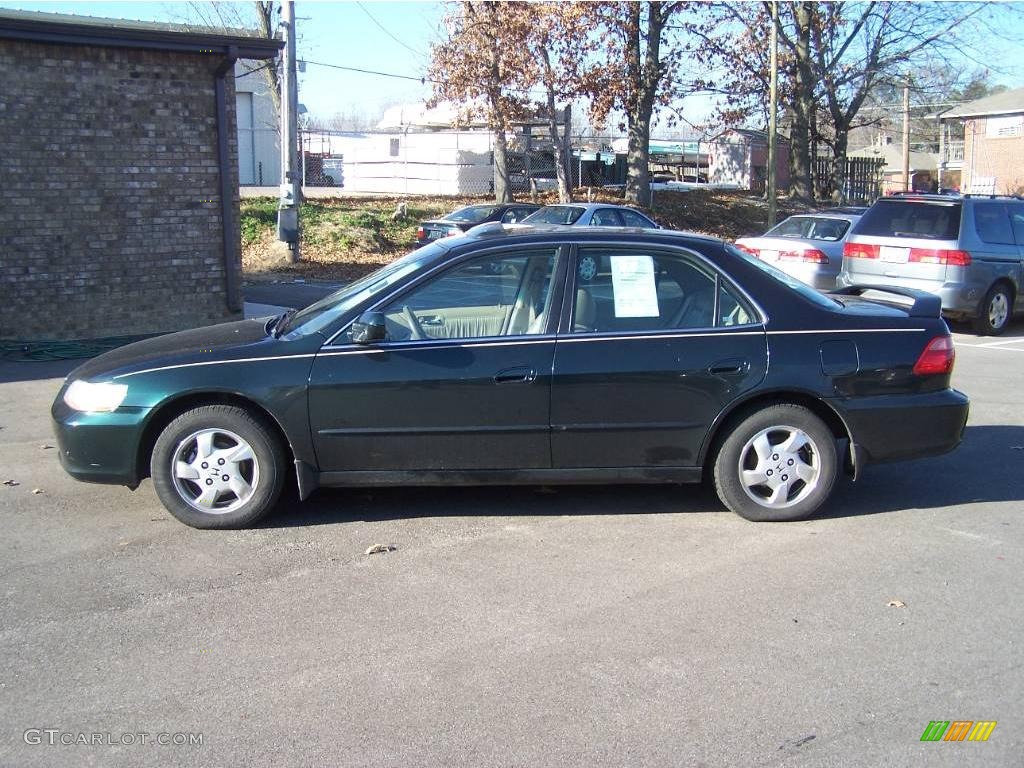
(462,162)
(447,162)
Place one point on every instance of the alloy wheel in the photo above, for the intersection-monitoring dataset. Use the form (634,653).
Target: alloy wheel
(215,471)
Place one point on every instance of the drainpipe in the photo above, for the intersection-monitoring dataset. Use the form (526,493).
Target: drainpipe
(227,191)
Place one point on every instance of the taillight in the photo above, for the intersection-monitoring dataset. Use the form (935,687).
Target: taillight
(453,231)
(947,256)
(811,255)
(937,357)
(860,251)
(940,256)
(421,233)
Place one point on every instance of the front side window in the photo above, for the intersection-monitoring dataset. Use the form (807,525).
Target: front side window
(498,295)
(628,291)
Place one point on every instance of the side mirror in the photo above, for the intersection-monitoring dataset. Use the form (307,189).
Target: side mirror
(368,328)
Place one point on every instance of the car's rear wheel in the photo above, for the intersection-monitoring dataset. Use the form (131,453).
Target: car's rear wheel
(778,463)
(995,310)
(218,466)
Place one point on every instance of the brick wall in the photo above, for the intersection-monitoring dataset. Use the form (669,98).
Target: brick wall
(110,216)
(998,158)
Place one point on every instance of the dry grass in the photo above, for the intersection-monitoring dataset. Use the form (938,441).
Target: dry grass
(344,238)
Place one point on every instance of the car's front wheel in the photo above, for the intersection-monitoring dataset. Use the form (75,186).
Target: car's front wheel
(218,466)
(779,463)
(994,314)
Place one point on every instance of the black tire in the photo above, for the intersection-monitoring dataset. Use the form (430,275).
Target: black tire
(231,430)
(798,498)
(995,311)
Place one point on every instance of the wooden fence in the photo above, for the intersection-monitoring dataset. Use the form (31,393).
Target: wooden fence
(863,179)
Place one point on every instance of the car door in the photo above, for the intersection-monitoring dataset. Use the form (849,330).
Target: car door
(653,344)
(461,382)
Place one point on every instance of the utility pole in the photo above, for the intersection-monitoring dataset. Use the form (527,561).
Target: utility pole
(906,136)
(773,100)
(291,177)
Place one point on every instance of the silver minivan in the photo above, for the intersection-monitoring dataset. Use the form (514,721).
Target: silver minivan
(967,250)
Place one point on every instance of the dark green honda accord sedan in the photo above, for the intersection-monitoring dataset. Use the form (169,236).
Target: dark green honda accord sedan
(527,355)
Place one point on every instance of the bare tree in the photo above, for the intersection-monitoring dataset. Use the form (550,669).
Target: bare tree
(561,39)
(257,15)
(483,65)
(636,74)
(833,56)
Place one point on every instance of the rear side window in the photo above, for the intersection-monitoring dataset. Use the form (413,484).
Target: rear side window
(993,223)
(811,228)
(633,219)
(917,219)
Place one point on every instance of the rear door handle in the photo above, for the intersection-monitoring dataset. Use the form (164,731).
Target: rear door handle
(729,367)
(513,375)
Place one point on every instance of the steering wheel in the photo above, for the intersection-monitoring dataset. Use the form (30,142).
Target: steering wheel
(414,325)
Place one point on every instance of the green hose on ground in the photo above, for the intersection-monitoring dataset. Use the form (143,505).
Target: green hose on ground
(39,351)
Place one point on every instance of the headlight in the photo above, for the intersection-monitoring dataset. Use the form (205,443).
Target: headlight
(101,396)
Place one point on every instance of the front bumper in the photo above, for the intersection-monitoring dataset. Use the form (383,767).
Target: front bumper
(99,447)
(892,428)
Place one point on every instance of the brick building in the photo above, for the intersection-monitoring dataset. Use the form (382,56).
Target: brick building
(990,159)
(119,196)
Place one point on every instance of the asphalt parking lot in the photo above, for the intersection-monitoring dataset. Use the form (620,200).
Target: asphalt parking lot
(518,627)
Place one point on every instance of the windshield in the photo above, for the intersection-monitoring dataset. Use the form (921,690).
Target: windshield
(318,316)
(790,282)
(811,228)
(554,214)
(471,214)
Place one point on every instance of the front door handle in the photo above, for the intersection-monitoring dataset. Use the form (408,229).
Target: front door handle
(731,367)
(515,375)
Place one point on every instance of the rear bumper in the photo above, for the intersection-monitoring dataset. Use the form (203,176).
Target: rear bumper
(899,427)
(99,447)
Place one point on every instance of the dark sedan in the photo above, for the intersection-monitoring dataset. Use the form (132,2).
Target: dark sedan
(463,219)
(523,355)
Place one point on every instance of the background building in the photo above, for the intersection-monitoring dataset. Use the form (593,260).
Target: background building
(991,158)
(119,202)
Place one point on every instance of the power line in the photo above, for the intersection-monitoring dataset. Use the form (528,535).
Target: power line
(387,32)
(420,80)
(423,80)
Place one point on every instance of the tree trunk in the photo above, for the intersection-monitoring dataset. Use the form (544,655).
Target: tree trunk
(803,105)
(564,192)
(839,192)
(638,115)
(502,185)
(638,177)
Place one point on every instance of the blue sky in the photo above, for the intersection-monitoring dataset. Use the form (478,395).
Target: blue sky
(395,37)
